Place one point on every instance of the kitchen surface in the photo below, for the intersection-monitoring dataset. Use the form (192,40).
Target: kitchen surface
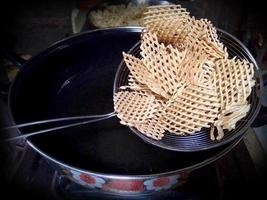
(29,28)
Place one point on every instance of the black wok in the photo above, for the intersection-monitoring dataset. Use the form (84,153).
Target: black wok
(75,77)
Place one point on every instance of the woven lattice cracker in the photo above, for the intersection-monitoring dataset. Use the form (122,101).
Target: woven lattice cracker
(184,80)
(173,25)
(169,66)
(139,109)
(152,127)
(168,22)
(141,74)
(133,84)
(154,69)
(134,107)
(203,35)
(163,64)
(196,107)
(234,80)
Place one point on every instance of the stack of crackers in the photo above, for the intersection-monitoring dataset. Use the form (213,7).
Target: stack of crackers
(184,80)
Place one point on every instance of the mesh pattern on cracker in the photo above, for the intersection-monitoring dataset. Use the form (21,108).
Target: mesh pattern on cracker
(176,28)
(203,35)
(173,25)
(141,74)
(187,70)
(140,110)
(234,82)
(163,64)
(152,127)
(134,107)
(194,109)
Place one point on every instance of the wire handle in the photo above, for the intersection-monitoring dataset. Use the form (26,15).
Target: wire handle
(26,135)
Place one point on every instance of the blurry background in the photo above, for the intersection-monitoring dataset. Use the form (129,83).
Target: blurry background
(37,24)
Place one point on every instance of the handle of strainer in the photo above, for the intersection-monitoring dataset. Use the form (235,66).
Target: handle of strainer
(68,123)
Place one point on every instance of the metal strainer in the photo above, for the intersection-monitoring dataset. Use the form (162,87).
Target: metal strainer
(201,139)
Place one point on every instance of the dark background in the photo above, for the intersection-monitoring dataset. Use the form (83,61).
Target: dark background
(37,24)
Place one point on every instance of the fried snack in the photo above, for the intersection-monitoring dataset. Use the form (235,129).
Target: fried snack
(196,107)
(140,110)
(234,80)
(176,28)
(152,127)
(118,15)
(203,36)
(156,59)
(184,79)
(141,74)
(134,107)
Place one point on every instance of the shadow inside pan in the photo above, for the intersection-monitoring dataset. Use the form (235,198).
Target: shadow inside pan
(75,77)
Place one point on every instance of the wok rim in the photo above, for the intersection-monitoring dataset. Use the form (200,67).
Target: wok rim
(141,176)
(111,176)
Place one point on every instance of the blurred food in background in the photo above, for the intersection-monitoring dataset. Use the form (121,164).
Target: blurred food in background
(94,14)
(118,15)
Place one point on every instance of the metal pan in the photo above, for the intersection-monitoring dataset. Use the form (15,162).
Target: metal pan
(75,77)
